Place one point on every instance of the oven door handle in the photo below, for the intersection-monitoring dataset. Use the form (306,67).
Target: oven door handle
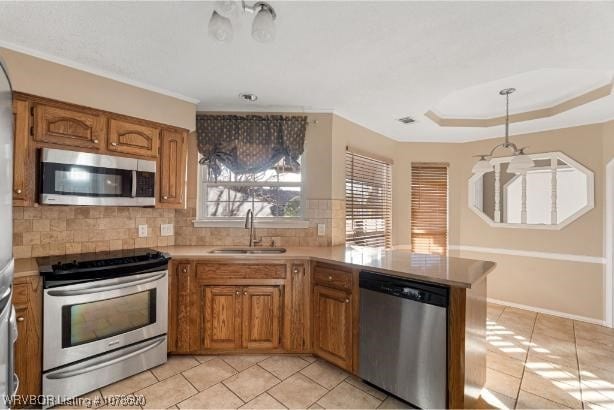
(133,193)
(121,283)
(106,360)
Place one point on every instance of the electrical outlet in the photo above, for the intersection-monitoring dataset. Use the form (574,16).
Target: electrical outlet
(321,229)
(166,229)
(142,231)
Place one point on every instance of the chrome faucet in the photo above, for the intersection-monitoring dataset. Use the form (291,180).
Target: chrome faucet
(249,224)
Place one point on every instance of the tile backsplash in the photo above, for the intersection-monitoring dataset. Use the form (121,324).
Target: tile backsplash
(59,230)
(331,213)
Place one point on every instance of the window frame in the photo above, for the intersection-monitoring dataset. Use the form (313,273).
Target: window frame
(203,220)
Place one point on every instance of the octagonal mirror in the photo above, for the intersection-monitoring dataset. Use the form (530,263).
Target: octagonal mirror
(552,194)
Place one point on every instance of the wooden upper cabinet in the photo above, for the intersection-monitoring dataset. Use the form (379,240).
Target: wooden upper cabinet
(172,168)
(23,191)
(261,317)
(332,326)
(133,138)
(222,317)
(68,125)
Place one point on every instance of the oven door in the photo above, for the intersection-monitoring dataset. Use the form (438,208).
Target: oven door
(80,178)
(87,319)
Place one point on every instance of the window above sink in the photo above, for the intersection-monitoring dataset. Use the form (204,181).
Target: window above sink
(275,196)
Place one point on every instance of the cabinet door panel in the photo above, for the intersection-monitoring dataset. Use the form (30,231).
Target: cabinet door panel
(28,347)
(222,317)
(172,168)
(133,139)
(333,326)
(22,165)
(261,317)
(68,126)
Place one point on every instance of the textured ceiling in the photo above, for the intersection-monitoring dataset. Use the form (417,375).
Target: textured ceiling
(371,62)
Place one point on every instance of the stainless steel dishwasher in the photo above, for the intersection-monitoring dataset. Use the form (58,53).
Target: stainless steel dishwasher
(403,328)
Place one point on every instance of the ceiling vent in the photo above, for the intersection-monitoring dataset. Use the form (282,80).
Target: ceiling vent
(407,120)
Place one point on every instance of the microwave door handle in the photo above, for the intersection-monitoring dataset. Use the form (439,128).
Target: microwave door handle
(123,283)
(133,194)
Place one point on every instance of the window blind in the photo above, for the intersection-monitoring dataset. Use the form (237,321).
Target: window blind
(368,197)
(429,208)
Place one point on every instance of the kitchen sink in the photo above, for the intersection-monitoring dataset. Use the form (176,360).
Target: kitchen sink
(242,251)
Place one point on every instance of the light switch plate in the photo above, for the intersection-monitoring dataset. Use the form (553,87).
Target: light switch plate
(166,229)
(321,229)
(142,231)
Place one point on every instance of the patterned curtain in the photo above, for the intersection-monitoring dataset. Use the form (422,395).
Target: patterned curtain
(249,144)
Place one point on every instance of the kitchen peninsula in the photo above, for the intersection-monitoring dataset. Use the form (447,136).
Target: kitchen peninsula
(307,300)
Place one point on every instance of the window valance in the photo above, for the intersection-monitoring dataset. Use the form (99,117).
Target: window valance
(249,144)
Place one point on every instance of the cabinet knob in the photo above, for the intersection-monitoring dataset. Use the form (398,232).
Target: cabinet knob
(21,319)
(245,293)
(95,141)
(165,197)
(18,191)
(295,270)
(238,293)
(347,301)
(330,278)
(184,270)
(114,144)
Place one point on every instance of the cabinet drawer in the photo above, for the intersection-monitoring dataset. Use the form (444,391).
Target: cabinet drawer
(239,271)
(332,277)
(67,126)
(20,294)
(132,138)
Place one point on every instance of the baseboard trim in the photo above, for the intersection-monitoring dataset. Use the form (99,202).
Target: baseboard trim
(548,312)
(531,254)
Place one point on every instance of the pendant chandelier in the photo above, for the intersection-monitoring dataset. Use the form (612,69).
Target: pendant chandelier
(520,162)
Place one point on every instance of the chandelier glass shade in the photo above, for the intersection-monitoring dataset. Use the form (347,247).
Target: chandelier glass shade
(263,25)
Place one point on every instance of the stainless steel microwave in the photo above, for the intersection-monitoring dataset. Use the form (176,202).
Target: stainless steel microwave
(82,178)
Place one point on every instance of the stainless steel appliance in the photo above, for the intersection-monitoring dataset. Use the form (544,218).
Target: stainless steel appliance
(82,178)
(8,328)
(104,319)
(403,328)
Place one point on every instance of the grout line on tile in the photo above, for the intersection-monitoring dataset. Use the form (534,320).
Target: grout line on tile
(526,358)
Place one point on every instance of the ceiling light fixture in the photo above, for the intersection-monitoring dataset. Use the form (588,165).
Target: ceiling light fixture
(220,27)
(248,97)
(520,161)
(263,25)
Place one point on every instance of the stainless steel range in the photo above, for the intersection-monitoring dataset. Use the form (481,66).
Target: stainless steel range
(105,318)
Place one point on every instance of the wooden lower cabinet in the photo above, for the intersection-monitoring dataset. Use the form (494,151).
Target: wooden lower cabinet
(28,348)
(241,317)
(222,317)
(332,326)
(261,317)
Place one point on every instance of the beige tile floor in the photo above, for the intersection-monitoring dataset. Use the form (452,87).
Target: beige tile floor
(539,361)
(534,361)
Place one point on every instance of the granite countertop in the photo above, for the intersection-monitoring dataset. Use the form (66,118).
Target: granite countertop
(445,270)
